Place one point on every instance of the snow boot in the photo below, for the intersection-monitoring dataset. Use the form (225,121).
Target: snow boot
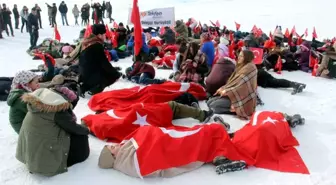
(297,87)
(220,120)
(171,76)
(207,116)
(295,120)
(224,165)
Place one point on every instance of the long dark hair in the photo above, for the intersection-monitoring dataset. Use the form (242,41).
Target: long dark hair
(192,50)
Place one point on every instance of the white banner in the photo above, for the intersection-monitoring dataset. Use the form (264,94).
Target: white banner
(156,17)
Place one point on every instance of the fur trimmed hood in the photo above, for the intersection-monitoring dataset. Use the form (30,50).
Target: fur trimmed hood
(46,100)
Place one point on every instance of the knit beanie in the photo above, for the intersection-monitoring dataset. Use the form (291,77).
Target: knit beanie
(98,29)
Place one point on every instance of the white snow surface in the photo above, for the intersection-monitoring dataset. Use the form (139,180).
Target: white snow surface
(317,103)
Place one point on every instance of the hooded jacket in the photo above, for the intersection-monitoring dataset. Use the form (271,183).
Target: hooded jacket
(44,139)
(182,30)
(169,36)
(17,110)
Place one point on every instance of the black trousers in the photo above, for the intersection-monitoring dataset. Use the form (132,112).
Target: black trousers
(34,35)
(17,22)
(9,23)
(267,80)
(53,21)
(24,22)
(40,21)
(79,149)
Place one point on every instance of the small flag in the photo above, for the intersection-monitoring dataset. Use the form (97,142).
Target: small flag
(57,34)
(287,34)
(306,32)
(218,24)
(314,33)
(278,65)
(237,26)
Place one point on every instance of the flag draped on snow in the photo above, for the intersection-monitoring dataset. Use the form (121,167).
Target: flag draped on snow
(150,94)
(135,19)
(267,138)
(200,143)
(116,124)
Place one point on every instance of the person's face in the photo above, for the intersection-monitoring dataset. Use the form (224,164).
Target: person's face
(240,58)
(34,84)
(15,6)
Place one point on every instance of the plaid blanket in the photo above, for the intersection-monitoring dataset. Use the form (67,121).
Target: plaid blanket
(241,89)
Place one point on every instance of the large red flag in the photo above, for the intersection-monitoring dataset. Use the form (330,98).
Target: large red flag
(258,55)
(150,94)
(116,124)
(237,26)
(202,143)
(57,34)
(267,138)
(135,19)
(314,33)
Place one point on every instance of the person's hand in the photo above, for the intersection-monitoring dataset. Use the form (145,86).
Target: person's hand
(221,92)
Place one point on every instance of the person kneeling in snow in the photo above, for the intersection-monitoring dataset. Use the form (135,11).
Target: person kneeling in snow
(142,73)
(50,140)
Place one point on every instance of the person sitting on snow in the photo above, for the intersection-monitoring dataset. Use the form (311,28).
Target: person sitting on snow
(208,48)
(95,70)
(169,36)
(142,73)
(327,68)
(181,29)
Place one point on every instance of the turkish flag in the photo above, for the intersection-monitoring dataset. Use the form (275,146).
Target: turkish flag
(88,31)
(314,72)
(162,30)
(155,93)
(293,32)
(258,55)
(278,65)
(287,34)
(268,139)
(314,33)
(306,32)
(167,61)
(255,29)
(218,24)
(312,61)
(57,34)
(135,19)
(237,26)
(108,32)
(165,148)
(115,25)
(118,123)
(114,38)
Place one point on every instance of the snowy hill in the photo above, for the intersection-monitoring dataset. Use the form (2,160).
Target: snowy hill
(317,103)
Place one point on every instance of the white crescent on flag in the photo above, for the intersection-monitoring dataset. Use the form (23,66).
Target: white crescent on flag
(179,134)
(112,114)
(257,53)
(184,87)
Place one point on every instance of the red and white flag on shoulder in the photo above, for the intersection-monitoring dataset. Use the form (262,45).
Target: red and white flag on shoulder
(258,55)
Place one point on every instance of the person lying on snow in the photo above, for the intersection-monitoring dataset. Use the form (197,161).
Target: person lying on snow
(142,73)
(95,70)
(327,69)
(193,65)
(23,82)
(50,140)
(138,156)
(239,95)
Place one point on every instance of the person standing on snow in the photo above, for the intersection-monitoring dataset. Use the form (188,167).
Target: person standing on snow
(64,10)
(109,11)
(16,16)
(103,9)
(38,10)
(75,12)
(6,14)
(53,12)
(1,23)
(33,28)
(24,18)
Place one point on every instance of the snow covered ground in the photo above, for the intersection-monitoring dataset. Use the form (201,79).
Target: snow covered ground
(317,104)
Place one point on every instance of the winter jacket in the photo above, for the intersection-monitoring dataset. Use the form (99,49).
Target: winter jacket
(5,87)
(50,11)
(32,23)
(182,30)
(219,75)
(54,11)
(122,34)
(17,110)
(16,13)
(323,70)
(85,12)
(75,11)
(38,11)
(144,47)
(304,56)
(138,68)
(94,67)
(44,139)
(63,8)
(6,15)
(208,49)
(169,36)
(24,14)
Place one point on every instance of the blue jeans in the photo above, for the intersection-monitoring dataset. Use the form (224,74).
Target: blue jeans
(64,16)
(145,79)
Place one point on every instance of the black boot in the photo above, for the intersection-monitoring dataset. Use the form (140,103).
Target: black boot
(224,165)
(297,87)
(295,120)
(220,120)
(207,116)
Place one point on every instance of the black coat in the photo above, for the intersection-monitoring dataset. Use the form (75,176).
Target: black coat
(95,69)
(63,8)
(32,23)
(169,36)
(6,15)
(16,13)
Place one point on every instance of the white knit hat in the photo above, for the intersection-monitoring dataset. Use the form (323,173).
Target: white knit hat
(278,33)
(22,78)
(224,41)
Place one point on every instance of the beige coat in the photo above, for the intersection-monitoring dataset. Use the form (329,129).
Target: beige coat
(323,68)
(125,163)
